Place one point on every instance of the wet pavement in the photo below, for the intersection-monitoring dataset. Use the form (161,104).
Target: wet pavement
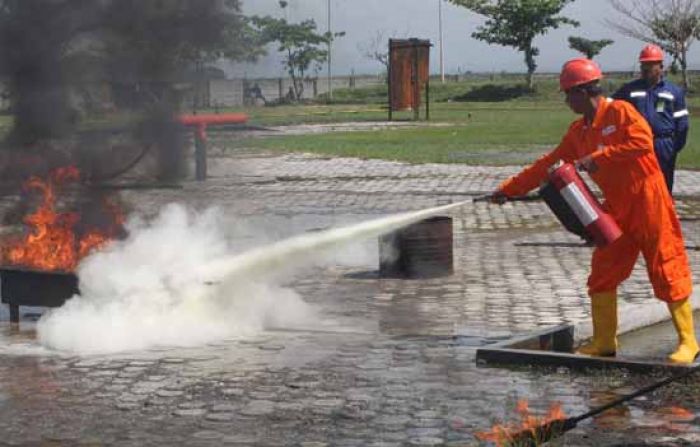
(398,366)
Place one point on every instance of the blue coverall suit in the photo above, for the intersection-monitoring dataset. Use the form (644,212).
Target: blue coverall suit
(663,106)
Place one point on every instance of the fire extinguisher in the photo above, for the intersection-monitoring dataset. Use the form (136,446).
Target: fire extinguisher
(570,199)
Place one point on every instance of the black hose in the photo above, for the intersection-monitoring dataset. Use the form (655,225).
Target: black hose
(553,429)
(526,198)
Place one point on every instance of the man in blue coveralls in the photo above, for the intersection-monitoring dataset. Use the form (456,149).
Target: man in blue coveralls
(663,105)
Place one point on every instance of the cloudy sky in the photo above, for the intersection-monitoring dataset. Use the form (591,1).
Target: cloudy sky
(363,19)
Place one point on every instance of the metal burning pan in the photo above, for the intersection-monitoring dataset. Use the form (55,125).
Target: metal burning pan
(24,287)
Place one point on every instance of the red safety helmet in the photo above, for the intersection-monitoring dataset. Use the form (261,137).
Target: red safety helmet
(578,71)
(651,53)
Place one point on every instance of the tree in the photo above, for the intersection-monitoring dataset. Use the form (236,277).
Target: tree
(144,44)
(516,23)
(673,25)
(303,47)
(589,48)
(150,43)
(376,48)
(36,38)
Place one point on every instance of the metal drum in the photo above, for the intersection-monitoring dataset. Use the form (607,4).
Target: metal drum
(420,250)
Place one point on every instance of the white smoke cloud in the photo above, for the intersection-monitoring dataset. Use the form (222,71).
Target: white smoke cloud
(149,290)
(176,282)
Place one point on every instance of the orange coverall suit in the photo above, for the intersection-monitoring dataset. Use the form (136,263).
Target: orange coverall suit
(622,146)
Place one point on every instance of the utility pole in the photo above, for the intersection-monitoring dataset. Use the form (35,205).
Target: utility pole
(442,54)
(330,35)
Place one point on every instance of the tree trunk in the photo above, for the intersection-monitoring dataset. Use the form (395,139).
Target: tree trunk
(298,83)
(531,65)
(684,69)
(40,102)
(159,129)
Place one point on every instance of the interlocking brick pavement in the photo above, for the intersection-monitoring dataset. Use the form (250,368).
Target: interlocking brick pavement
(402,374)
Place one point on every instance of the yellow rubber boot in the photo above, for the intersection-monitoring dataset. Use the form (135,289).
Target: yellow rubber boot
(682,315)
(604,314)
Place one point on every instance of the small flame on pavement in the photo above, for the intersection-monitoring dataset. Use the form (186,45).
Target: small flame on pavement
(677,413)
(507,434)
(53,244)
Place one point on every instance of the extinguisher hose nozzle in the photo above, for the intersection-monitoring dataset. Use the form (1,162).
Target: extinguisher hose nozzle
(502,199)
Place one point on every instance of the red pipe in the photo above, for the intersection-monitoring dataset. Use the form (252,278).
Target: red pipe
(202,121)
(213,118)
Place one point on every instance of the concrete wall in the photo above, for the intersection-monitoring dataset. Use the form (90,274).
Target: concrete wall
(229,92)
(220,92)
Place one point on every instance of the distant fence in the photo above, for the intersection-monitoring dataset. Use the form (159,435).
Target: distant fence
(238,92)
(101,95)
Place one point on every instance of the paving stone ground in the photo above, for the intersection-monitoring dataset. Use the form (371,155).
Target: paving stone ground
(401,373)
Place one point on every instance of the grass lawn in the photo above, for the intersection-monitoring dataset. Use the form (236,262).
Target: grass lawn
(491,133)
(467,125)
(475,133)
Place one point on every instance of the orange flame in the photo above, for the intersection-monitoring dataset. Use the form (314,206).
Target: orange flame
(52,243)
(677,413)
(505,434)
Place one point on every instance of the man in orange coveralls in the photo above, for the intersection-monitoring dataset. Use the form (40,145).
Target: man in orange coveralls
(614,143)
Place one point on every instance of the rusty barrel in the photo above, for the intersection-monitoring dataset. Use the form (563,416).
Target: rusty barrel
(420,250)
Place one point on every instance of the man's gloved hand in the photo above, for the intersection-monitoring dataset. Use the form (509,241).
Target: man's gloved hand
(586,164)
